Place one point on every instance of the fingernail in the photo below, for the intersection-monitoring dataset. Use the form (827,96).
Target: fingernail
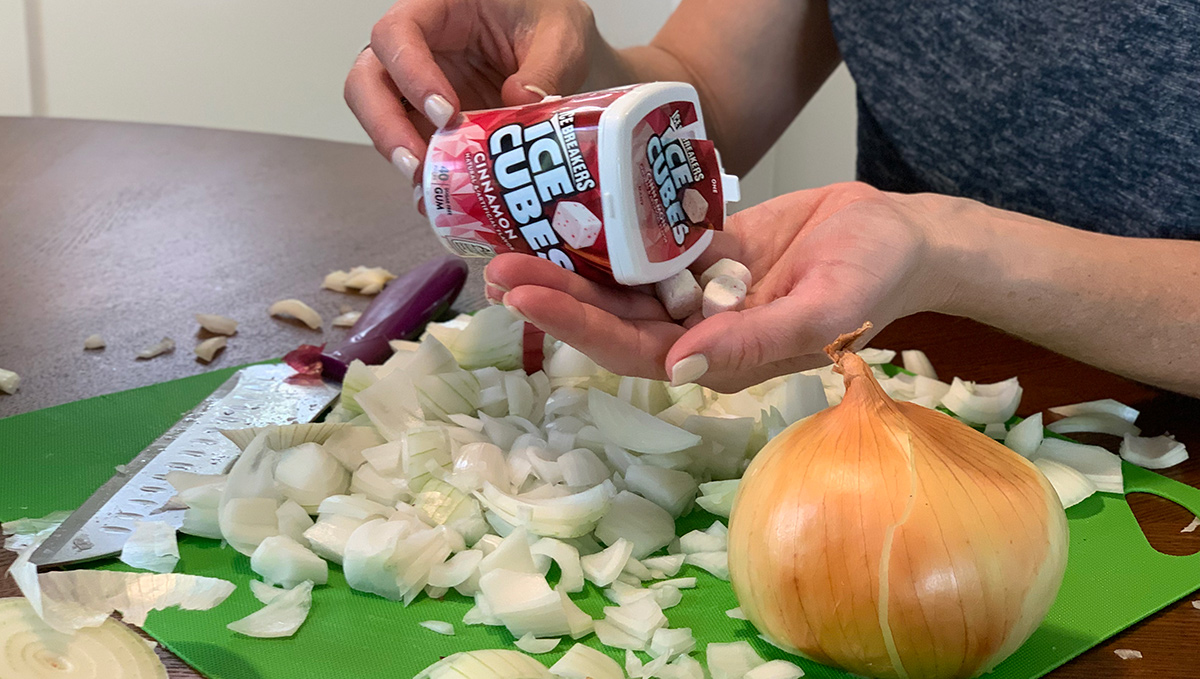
(494,293)
(688,369)
(438,110)
(418,194)
(513,310)
(536,90)
(406,161)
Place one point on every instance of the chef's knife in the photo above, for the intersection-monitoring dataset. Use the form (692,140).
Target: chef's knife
(256,396)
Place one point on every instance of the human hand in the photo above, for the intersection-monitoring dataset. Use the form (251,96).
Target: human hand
(823,261)
(444,56)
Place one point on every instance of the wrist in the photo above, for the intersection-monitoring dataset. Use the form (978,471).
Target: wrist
(960,258)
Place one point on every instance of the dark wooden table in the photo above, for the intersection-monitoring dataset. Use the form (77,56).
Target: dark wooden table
(127,230)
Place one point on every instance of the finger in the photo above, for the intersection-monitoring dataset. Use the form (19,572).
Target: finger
(401,43)
(620,345)
(551,61)
(512,270)
(373,98)
(742,341)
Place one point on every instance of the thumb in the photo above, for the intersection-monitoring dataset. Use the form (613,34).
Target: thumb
(737,347)
(553,63)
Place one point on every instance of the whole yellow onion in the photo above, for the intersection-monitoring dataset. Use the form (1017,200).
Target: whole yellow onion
(891,540)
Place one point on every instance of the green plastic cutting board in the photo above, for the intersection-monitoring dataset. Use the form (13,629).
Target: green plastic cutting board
(54,458)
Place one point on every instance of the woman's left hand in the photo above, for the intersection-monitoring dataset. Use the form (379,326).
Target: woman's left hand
(823,261)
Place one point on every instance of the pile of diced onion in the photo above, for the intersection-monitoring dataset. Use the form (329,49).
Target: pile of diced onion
(449,467)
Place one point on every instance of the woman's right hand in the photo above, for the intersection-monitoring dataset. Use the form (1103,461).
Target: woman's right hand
(444,56)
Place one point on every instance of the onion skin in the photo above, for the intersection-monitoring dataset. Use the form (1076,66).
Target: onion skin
(891,540)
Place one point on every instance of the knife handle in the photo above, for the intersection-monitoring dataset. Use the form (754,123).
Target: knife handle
(400,311)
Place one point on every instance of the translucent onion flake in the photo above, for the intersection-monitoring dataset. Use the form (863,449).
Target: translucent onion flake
(438,626)
(165,345)
(151,546)
(1128,654)
(93,342)
(33,649)
(209,348)
(1157,452)
(217,325)
(486,664)
(297,310)
(531,644)
(281,617)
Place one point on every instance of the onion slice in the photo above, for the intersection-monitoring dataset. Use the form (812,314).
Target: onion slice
(1104,406)
(917,363)
(1072,487)
(34,649)
(486,664)
(983,403)
(1096,423)
(775,669)
(439,626)
(1025,436)
(280,618)
(634,429)
(1094,462)
(297,310)
(94,342)
(209,348)
(1157,452)
(732,660)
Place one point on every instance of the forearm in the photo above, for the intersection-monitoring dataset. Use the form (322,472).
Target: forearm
(1128,305)
(755,64)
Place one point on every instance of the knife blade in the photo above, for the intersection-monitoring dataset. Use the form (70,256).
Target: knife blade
(256,396)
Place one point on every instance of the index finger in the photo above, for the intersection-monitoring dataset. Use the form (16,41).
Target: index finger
(400,40)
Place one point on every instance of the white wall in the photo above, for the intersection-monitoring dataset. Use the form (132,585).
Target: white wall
(278,66)
(14,60)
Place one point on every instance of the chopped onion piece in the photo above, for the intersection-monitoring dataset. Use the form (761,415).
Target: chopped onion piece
(346,320)
(732,660)
(670,489)
(457,569)
(438,626)
(639,618)
(1191,527)
(531,644)
(677,583)
(717,496)
(217,325)
(1071,486)
(1025,436)
(602,568)
(282,561)
(329,535)
(385,490)
(672,642)
(525,603)
(983,403)
(1158,452)
(562,517)
(265,593)
(665,565)
(917,363)
(308,475)
(1094,462)
(297,310)
(873,356)
(93,342)
(282,437)
(486,664)
(611,635)
(1128,654)
(716,563)
(151,546)
(280,618)
(634,429)
(703,541)
(632,517)
(1105,406)
(775,669)
(996,430)
(584,662)
(567,558)
(1098,423)
(33,649)
(164,345)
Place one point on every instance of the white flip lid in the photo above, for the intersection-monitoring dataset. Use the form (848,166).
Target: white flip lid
(622,230)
